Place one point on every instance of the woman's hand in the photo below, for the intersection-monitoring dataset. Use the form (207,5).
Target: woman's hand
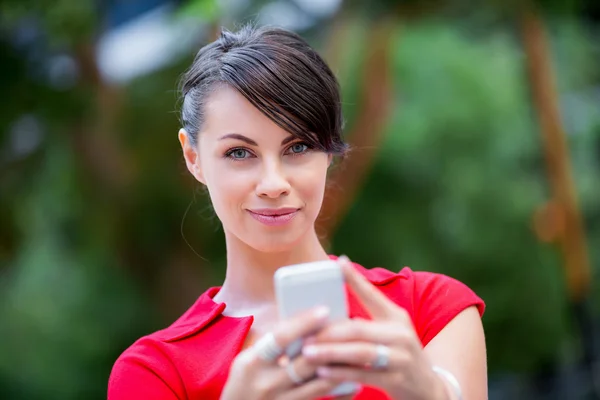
(360,345)
(258,373)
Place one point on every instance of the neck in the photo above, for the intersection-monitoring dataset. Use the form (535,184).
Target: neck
(248,281)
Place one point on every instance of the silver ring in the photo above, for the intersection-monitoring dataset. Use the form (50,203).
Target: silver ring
(293,375)
(267,349)
(382,359)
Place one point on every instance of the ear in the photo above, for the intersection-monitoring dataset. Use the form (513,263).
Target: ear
(329,159)
(192,160)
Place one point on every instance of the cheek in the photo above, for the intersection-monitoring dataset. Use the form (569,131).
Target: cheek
(228,189)
(310,182)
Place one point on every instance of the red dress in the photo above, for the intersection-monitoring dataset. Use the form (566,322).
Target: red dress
(191,358)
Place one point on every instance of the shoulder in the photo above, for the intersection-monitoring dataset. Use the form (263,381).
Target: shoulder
(192,321)
(144,371)
(150,362)
(432,299)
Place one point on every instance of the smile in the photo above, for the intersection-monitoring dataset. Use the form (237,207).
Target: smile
(274,216)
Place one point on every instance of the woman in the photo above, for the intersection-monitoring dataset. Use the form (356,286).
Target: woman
(261,124)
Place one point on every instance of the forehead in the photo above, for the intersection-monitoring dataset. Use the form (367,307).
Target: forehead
(227,111)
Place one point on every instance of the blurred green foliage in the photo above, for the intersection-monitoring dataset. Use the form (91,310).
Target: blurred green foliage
(66,22)
(86,268)
(457,182)
(206,10)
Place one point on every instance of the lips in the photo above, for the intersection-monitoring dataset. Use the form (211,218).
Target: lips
(274,216)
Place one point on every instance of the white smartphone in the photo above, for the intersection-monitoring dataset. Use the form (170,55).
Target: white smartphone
(304,286)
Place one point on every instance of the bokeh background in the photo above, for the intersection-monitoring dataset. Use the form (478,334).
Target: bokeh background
(475,129)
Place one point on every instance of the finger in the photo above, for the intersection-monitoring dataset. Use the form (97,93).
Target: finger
(346,397)
(364,376)
(388,333)
(375,302)
(276,379)
(298,371)
(299,326)
(358,354)
(309,390)
(288,335)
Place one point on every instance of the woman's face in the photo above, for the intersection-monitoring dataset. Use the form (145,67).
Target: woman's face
(266,186)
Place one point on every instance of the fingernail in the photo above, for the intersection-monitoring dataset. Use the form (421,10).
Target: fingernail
(322,312)
(344,259)
(310,351)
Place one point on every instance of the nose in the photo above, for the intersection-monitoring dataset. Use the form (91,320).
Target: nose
(273,182)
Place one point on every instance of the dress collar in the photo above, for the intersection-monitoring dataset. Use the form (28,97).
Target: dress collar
(205,310)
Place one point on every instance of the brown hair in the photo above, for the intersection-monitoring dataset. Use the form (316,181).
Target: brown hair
(276,71)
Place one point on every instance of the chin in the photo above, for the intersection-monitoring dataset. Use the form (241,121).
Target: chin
(278,241)
(272,244)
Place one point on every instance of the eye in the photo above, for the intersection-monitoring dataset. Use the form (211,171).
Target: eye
(238,154)
(298,148)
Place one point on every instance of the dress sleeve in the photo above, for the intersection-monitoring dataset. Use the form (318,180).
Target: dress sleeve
(144,372)
(437,300)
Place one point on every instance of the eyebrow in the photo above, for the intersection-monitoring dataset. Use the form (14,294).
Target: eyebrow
(251,142)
